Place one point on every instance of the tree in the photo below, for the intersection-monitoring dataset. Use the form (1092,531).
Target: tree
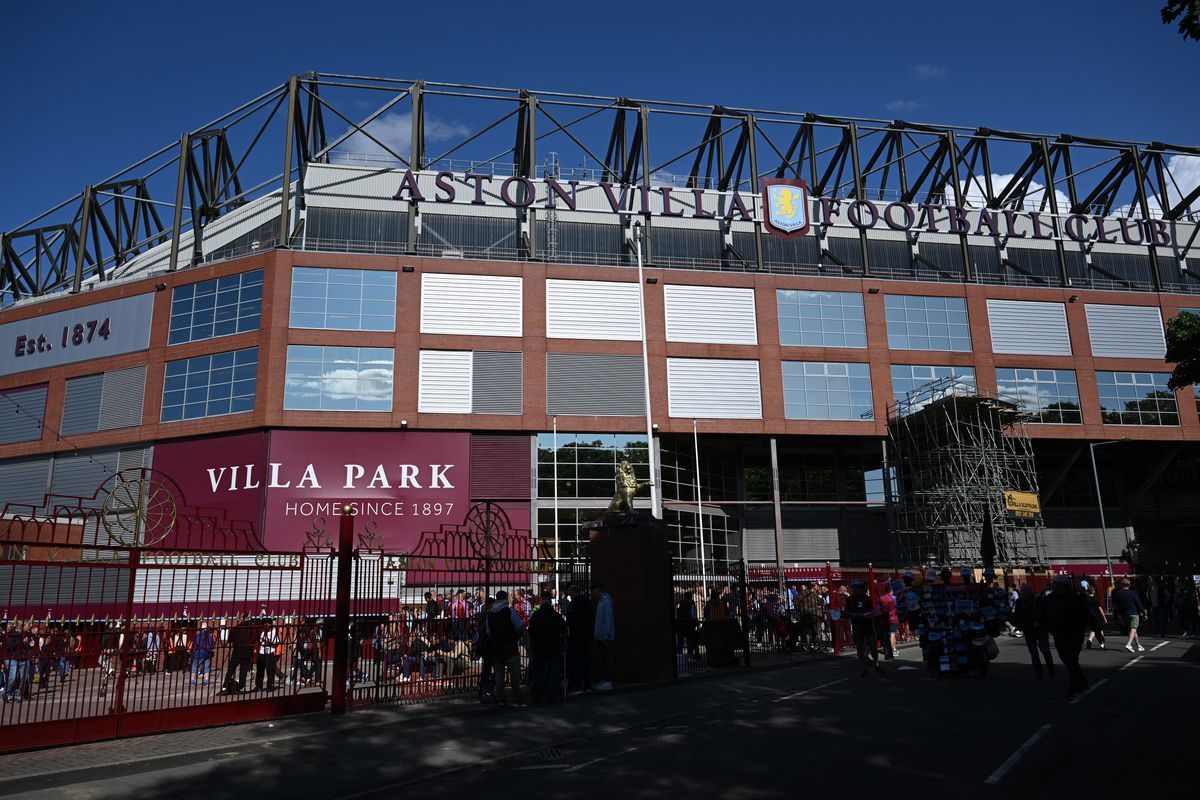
(1183,348)
(1188,14)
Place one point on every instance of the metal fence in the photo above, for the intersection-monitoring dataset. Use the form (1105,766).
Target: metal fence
(114,641)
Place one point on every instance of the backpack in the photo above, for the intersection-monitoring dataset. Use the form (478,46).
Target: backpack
(501,634)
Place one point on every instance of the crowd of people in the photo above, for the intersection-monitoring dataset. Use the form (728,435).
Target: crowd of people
(530,646)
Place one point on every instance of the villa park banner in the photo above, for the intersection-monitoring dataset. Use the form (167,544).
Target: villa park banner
(282,481)
(784,206)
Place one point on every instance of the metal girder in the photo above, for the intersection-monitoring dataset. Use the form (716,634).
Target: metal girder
(721,146)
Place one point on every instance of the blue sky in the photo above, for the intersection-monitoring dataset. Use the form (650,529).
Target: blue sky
(91,87)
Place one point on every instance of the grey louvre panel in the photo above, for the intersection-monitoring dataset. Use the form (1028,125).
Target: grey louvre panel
(945,256)
(501,467)
(1033,328)
(121,402)
(846,250)
(985,259)
(1126,331)
(135,457)
(594,385)
(799,544)
(889,255)
(325,227)
(81,408)
(496,382)
(56,585)
(1081,542)
(21,415)
(1131,267)
(1043,263)
(24,481)
(713,388)
(81,475)
(777,250)
(710,314)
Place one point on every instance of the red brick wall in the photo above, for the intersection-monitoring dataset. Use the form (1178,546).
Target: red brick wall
(407,340)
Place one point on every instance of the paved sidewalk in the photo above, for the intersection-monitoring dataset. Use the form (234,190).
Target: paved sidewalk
(17,768)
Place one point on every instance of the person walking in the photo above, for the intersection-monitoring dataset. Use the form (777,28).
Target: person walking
(1128,605)
(1066,618)
(687,620)
(581,628)
(1099,618)
(1027,618)
(504,630)
(547,629)
(203,646)
(1186,606)
(605,635)
(861,612)
(242,640)
(268,642)
(888,621)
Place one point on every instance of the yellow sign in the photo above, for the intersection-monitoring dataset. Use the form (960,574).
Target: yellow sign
(1024,505)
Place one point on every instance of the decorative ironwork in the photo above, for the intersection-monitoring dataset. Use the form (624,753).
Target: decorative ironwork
(317,538)
(487,529)
(138,511)
(370,538)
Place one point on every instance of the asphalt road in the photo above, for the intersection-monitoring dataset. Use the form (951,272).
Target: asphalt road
(817,726)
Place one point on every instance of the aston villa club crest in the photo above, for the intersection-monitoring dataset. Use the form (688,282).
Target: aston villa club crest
(786,204)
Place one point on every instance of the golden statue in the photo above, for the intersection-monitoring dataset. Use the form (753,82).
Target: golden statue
(627,487)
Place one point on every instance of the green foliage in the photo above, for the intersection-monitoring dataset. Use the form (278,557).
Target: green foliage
(1183,348)
(1188,14)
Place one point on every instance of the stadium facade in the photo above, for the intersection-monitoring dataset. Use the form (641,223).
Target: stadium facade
(413,332)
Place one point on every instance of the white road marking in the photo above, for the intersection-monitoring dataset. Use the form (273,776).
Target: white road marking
(1003,769)
(1093,688)
(1160,644)
(601,758)
(813,689)
(1129,664)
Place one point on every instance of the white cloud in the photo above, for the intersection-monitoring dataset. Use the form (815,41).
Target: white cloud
(900,106)
(929,72)
(395,132)
(1183,175)
(974,194)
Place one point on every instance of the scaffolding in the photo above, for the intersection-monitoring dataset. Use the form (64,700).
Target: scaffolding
(955,451)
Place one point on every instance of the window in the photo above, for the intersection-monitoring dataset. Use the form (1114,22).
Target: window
(210,386)
(219,307)
(343,299)
(338,378)
(1136,398)
(821,319)
(927,323)
(22,413)
(587,463)
(819,390)
(911,389)
(1049,395)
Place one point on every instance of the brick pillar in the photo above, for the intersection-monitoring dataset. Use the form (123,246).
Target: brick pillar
(634,564)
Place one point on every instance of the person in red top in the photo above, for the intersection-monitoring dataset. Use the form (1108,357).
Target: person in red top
(459,612)
(889,621)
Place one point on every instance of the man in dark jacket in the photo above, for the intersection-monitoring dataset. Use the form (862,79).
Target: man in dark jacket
(581,627)
(242,640)
(504,629)
(1066,618)
(546,631)
(1027,618)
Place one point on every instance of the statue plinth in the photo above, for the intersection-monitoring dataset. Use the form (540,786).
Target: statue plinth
(625,519)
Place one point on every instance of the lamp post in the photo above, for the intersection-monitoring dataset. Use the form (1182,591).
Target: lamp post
(1103,527)
(655,508)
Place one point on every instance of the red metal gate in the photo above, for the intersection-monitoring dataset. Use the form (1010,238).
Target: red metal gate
(101,640)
